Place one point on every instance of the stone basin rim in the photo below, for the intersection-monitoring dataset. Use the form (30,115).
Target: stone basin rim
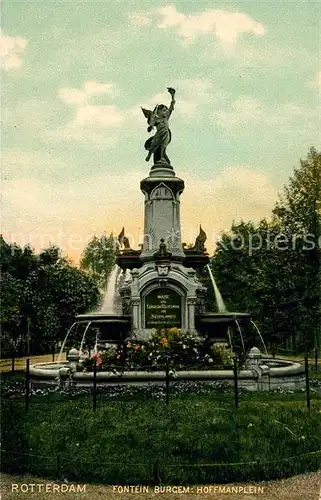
(223,315)
(101,316)
(51,370)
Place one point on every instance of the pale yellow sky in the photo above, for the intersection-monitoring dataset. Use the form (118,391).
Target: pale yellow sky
(111,202)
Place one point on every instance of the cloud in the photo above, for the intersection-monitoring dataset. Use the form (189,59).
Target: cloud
(91,88)
(248,111)
(243,110)
(90,121)
(225,25)
(99,139)
(12,49)
(192,95)
(98,116)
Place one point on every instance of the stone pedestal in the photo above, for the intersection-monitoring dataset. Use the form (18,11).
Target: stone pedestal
(164,293)
(162,190)
(260,370)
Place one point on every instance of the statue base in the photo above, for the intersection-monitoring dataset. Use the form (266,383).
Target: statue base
(162,169)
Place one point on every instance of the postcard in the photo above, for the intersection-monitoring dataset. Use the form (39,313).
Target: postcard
(160,250)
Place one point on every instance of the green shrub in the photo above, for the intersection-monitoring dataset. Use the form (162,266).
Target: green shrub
(222,355)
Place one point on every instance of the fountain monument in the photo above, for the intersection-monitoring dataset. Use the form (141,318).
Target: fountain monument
(161,288)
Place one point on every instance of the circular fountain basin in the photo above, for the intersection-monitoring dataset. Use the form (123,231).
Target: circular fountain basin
(227,318)
(272,374)
(44,374)
(215,326)
(116,319)
(112,327)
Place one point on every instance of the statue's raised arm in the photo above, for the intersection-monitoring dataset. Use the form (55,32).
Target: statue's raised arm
(158,118)
(172,104)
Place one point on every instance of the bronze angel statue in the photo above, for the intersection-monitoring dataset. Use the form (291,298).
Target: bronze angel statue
(158,118)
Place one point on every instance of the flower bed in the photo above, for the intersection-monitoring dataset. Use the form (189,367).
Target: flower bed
(176,348)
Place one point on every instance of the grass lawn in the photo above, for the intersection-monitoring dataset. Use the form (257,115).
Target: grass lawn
(135,438)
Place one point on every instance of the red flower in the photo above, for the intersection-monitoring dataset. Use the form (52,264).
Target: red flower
(97,357)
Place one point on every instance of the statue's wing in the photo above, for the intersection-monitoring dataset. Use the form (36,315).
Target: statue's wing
(121,235)
(202,235)
(147,114)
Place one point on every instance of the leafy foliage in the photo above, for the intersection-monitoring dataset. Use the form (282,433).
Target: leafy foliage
(299,212)
(10,310)
(272,269)
(222,355)
(56,293)
(98,259)
(41,294)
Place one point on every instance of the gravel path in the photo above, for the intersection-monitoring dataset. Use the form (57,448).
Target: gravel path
(303,487)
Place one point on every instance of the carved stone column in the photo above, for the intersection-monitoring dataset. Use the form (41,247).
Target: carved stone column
(191,303)
(135,303)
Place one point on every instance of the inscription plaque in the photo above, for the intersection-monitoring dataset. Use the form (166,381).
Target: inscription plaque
(163,309)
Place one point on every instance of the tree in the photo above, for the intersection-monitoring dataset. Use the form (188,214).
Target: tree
(41,295)
(299,213)
(51,255)
(17,261)
(56,293)
(99,258)
(272,269)
(255,275)
(299,209)
(10,312)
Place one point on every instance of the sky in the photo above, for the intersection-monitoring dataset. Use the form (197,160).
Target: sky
(247,76)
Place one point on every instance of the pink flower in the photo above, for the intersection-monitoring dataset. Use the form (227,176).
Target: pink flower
(97,357)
